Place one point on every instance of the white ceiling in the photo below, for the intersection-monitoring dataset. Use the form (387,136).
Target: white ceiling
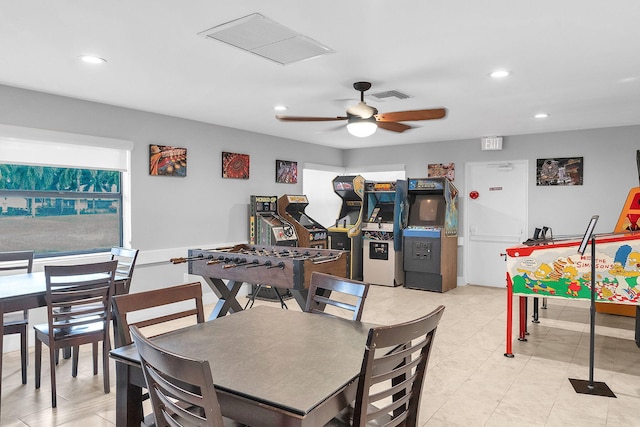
(578,60)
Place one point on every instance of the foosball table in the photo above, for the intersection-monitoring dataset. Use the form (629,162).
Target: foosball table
(278,266)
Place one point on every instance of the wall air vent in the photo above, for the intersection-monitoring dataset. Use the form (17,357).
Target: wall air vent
(263,37)
(389,95)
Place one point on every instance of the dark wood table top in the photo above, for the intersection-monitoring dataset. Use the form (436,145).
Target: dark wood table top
(285,359)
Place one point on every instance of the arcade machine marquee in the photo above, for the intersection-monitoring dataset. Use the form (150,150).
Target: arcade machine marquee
(346,235)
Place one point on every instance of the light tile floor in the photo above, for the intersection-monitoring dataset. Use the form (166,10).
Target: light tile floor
(469,382)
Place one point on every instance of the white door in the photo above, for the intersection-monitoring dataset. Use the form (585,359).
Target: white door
(495,217)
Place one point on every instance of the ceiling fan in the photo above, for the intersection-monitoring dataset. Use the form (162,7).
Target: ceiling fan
(363,120)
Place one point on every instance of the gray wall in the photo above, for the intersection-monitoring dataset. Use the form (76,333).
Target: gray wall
(609,172)
(169,212)
(205,209)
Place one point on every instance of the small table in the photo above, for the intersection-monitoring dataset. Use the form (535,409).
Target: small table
(271,367)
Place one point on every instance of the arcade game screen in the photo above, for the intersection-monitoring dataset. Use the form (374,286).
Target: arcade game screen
(304,220)
(351,217)
(383,212)
(427,211)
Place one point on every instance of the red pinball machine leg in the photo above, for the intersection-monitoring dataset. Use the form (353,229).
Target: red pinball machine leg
(509,350)
(523,319)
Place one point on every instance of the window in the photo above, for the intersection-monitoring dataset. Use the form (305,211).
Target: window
(62,194)
(38,202)
(324,204)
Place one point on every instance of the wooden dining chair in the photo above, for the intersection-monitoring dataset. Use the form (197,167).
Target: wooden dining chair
(323,290)
(393,371)
(155,307)
(126,259)
(17,322)
(181,389)
(79,312)
(126,264)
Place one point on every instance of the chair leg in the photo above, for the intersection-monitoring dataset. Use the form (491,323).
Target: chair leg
(24,350)
(95,358)
(52,364)
(75,352)
(106,346)
(38,361)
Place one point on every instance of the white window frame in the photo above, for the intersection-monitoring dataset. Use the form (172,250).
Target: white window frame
(31,146)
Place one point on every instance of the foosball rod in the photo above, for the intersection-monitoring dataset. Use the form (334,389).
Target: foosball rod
(235,263)
(181,260)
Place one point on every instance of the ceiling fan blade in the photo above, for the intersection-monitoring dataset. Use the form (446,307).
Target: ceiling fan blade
(336,128)
(393,126)
(412,115)
(308,119)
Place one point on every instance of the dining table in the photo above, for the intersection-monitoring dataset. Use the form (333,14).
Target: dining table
(26,291)
(270,367)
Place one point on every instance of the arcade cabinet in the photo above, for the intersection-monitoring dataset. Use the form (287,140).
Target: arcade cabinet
(384,217)
(310,233)
(266,227)
(269,229)
(627,222)
(430,240)
(346,235)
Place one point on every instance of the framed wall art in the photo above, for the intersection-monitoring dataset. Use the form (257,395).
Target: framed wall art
(441,170)
(167,160)
(286,172)
(559,171)
(235,165)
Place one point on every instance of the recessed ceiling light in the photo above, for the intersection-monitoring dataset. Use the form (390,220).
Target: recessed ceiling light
(541,116)
(91,59)
(280,108)
(498,74)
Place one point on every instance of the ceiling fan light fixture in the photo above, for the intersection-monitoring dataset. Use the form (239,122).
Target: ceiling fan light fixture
(362,127)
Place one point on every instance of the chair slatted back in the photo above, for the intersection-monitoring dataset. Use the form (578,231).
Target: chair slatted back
(126,263)
(393,370)
(16,261)
(79,295)
(346,295)
(125,304)
(181,389)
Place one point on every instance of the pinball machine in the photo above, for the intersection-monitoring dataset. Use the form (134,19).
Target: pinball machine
(552,268)
(347,233)
(225,270)
(555,269)
(384,217)
(311,234)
